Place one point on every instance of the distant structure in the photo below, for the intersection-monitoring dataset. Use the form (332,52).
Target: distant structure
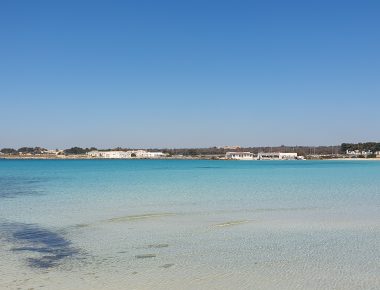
(262,156)
(53,152)
(230,147)
(108,154)
(140,154)
(357,153)
(240,155)
(277,156)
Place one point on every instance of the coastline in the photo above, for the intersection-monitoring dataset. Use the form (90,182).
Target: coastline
(353,159)
(216,158)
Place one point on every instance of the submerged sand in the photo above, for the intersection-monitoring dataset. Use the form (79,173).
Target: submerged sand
(284,249)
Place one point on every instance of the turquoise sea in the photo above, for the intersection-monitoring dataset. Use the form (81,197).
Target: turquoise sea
(189,224)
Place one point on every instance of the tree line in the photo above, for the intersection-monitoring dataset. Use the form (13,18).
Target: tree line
(30,150)
(368,146)
(40,150)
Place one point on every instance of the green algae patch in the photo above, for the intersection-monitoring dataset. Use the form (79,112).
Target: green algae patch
(78,226)
(167,265)
(158,246)
(145,256)
(139,217)
(231,223)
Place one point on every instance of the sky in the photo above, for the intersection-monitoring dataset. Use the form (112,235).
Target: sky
(169,74)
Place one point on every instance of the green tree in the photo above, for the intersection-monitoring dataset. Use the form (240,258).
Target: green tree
(75,151)
(8,151)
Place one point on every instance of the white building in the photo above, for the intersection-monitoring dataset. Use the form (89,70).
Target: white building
(356,153)
(108,154)
(145,154)
(125,154)
(53,152)
(154,154)
(239,155)
(277,156)
(229,147)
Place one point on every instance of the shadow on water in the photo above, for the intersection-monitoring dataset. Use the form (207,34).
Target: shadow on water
(11,187)
(51,247)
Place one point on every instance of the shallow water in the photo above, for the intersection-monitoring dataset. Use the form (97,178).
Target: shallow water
(190,224)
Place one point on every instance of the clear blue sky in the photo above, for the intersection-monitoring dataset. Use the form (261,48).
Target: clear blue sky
(189,73)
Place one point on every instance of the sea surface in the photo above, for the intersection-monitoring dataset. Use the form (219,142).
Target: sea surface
(189,224)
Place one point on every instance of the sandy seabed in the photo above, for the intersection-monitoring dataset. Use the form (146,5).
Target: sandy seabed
(304,248)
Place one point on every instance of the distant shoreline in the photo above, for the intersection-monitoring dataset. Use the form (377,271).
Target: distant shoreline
(353,159)
(84,157)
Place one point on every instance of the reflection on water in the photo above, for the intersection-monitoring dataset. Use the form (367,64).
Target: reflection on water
(51,247)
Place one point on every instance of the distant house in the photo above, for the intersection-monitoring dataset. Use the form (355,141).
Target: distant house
(357,153)
(155,154)
(125,154)
(144,154)
(239,155)
(277,156)
(229,147)
(107,154)
(52,152)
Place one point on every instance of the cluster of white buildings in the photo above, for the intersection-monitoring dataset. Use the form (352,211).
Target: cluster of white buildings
(140,154)
(279,156)
(356,153)
(240,155)
(262,156)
